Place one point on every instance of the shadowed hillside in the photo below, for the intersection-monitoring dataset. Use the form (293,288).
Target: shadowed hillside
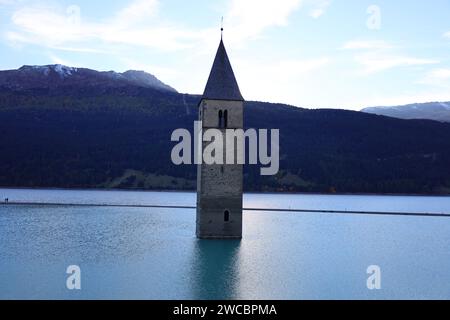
(101,136)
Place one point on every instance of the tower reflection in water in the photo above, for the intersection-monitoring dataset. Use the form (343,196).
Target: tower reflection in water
(215,269)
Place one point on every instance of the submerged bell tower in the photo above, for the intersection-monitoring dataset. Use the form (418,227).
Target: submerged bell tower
(220,186)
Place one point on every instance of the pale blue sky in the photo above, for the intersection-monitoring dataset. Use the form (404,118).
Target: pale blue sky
(310,53)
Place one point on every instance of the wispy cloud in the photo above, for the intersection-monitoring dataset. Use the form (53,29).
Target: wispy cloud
(140,24)
(138,11)
(57,60)
(407,98)
(318,7)
(437,77)
(250,18)
(44,25)
(277,81)
(133,25)
(374,62)
(367,45)
(8,2)
(376,56)
(142,35)
(299,66)
(165,74)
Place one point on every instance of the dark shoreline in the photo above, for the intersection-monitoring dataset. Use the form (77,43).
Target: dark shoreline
(248,192)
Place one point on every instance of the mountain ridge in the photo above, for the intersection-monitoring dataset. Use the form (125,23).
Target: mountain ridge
(91,135)
(58,75)
(437,111)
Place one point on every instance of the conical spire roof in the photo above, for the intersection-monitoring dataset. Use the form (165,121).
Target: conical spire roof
(222,84)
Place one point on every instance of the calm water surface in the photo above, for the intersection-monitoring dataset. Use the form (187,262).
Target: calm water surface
(148,253)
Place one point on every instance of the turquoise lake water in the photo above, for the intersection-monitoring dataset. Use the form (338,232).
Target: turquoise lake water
(150,253)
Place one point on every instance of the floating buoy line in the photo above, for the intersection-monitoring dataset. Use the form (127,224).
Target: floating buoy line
(332,211)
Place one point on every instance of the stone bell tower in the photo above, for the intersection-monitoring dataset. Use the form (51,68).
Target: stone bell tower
(219,186)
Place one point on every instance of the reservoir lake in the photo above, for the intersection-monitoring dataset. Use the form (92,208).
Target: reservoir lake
(152,253)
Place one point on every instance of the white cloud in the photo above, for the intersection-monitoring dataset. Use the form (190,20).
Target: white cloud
(57,60)
(366,44)
(407,98)
(43,25)
(8,2)
(377,56)
(297,66)
(55,28)
(139,24)
(318,7)
(137,11)
(437,77)
(375,62)
(440,74)
(162,73)
(447,35)
(316,13)
(140,27)
(79,49)
(281,81)
(249,18)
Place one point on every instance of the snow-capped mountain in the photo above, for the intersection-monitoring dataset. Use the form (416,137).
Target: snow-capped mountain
(439,111)
(54,76)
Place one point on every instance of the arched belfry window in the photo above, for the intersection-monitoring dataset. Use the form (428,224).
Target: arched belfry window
(225,119)
(220,118)
(226,216)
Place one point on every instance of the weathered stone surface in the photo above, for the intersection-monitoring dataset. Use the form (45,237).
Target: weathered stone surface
(219,186)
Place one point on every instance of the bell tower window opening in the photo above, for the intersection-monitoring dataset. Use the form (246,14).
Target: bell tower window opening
(220,118)
(226,216)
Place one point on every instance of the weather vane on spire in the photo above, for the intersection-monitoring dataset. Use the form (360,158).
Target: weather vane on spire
(221,29)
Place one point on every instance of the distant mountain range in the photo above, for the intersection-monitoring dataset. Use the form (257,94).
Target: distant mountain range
(439,111)
(79,128)
(57,76)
